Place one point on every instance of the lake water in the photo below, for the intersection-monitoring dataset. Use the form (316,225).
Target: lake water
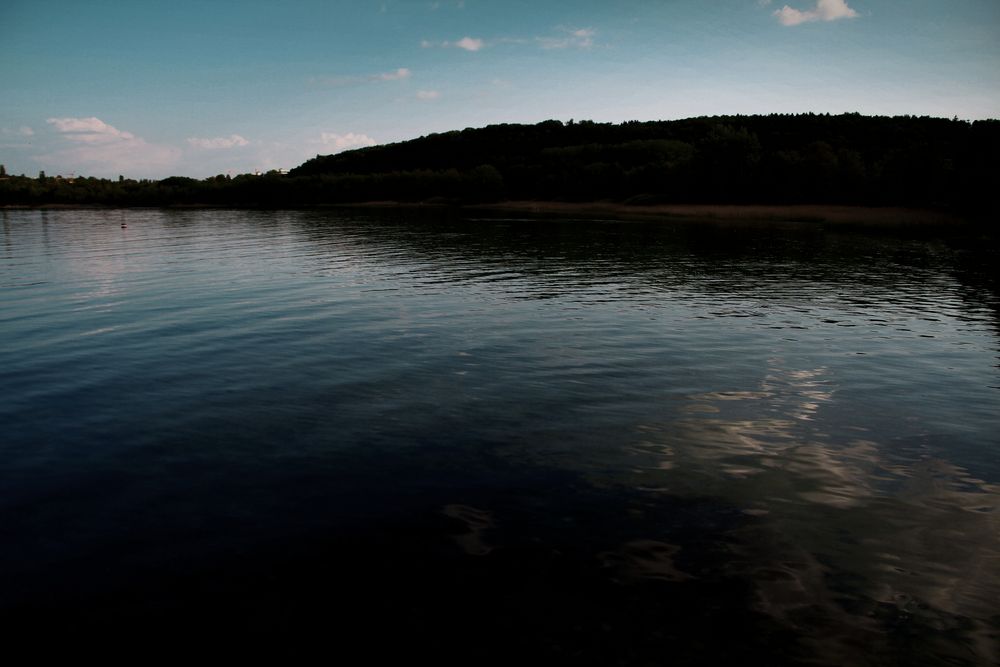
(557,441)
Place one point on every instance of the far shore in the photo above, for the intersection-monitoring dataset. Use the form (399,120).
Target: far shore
(804,213)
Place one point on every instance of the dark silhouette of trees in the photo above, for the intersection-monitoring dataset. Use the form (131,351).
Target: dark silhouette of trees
(779,158)
(776,159)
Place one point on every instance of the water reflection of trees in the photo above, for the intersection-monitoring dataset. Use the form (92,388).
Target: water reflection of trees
(804,266)
(855,539)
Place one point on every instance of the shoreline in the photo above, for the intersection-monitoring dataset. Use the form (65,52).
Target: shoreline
(792,213)
(798,213)
(837,214)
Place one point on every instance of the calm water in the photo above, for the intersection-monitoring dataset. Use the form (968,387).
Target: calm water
(570,442)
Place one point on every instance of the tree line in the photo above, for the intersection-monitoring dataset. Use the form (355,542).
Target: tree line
(766,159)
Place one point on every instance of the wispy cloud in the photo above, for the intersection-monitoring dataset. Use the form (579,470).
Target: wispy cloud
(23,131)
(565,38)
(343,142)
(569,38)
(394,75)
(215,143)
(469,43)
(90,142)
(466,43)
(89,130)
(428,95)
(825,10)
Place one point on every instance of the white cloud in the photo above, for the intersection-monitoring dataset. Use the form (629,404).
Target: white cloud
(90,143)
(232,141)
(89,130)
(469,43)
(466,43)
(343,142)
(576,38)
(825,10)
(457,4)
(397,75)
(567,38)
(428,94)
(394,75)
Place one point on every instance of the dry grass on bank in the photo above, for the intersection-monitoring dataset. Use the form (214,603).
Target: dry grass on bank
(889,216)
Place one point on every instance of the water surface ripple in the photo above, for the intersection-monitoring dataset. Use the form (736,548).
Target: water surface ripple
(597,442)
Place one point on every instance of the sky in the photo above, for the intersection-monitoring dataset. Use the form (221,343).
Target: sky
(150,89)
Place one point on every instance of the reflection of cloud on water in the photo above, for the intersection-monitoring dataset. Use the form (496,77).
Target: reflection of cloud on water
(747,433)
(848,541)
(474,522)
(644,559)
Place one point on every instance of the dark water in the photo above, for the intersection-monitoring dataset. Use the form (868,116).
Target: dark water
(259,433)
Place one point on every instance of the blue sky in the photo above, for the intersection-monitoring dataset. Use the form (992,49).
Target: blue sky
(151,89)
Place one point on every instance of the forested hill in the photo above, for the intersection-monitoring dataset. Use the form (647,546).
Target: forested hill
(775,159)
(810,158)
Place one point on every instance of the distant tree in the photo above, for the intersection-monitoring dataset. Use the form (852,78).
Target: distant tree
(728,157)
(3,170)
(484,183)
(779,158)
